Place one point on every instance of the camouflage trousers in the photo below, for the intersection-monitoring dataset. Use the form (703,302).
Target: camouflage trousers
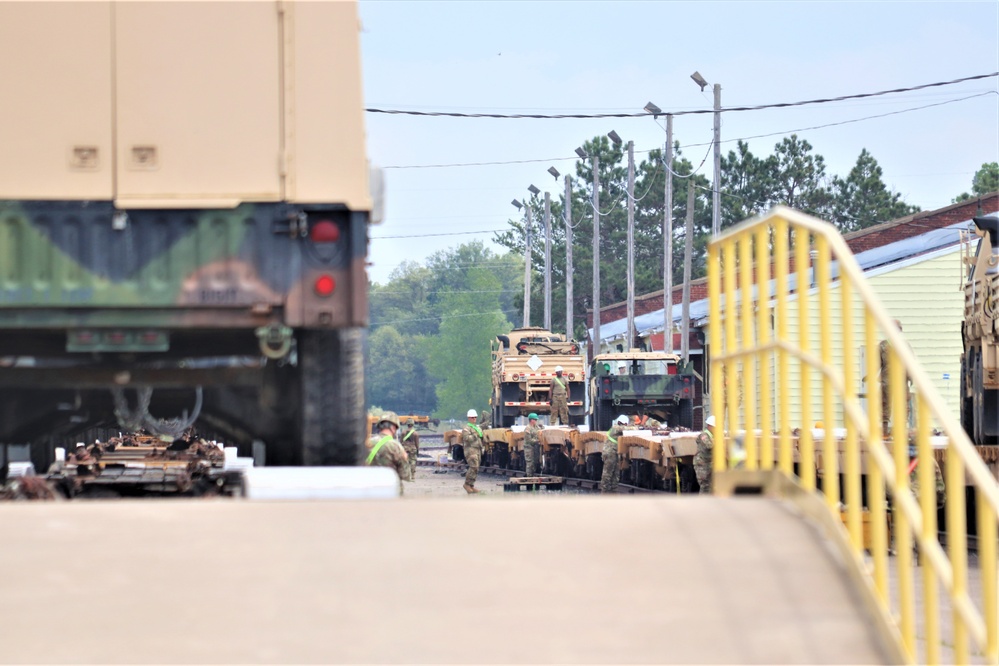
(411,452)
(560,409)
(612,471)
(886,408)
(473,456)
(703,473)
(532,458)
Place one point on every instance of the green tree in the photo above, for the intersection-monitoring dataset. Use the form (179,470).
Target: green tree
(862,198)
(800,178)
(459,357)
(986,181)
(748,184)
(396,375)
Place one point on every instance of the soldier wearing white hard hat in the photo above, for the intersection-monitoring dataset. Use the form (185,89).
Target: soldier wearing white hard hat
(560,398)
(473,440)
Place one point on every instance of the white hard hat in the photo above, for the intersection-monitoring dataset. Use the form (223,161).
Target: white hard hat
(622,419)
(558,368)
(710,421)
(472,414)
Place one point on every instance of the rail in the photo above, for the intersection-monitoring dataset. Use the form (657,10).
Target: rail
(763,376)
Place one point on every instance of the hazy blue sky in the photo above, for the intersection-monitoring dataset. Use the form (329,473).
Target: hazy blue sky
(551,57)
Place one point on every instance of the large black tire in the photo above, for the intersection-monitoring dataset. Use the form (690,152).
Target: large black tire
(333,420)
(966,403)
(685,414)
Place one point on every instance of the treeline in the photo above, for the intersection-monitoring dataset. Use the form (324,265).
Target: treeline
(432,324)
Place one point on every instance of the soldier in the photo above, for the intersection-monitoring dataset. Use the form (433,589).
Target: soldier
(885,381)
(647,423)
(914,477)
(532,446)
(705,455)
(560,398)
(411,443)
(473,441)
(612,471)
(485,420)
(385,451)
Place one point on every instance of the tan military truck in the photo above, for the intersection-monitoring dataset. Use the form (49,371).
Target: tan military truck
(524,363)
(980,331)
(184,213)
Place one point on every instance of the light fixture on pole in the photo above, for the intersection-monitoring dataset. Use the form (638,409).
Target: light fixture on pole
(716,187)
(667,231)
(631,237)
(614,137)
(548,261)
(517,204)
(533,190)
(582,153)
(527,261)
(554,172)
(653,109)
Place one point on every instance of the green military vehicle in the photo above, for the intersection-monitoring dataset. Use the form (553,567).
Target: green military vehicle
(184,211)
(656,384)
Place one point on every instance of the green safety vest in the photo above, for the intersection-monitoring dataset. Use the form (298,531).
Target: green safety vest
(378,445)
(556,379)
(408,434)
(609,436)
(477,430)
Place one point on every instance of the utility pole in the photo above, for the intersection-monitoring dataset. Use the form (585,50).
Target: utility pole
(631,246)
(527,266)
(688,251)
(668,241)
(548,262)
(716,193)
(596,255)
(569,324)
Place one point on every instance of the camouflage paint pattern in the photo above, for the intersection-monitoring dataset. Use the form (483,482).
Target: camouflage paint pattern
(703,460)
(389,454)
(612,468)
(637,393)
(472,443)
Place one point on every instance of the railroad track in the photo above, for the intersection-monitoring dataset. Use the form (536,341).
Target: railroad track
(568,481)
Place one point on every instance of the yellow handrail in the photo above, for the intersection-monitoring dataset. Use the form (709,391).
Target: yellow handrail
(752,352)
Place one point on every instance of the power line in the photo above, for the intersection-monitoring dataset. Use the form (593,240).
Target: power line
(450,233)
(645,114)
(698,145)
(442,317)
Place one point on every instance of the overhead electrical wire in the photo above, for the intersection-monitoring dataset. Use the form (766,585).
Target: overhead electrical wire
(643,114)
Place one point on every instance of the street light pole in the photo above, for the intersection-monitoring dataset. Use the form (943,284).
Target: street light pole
(569,324)
(668,242)
(596,255)
(548,261)
(631,245)
(716,193)
(527,267)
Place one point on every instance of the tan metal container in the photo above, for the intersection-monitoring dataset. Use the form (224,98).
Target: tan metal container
(182,104)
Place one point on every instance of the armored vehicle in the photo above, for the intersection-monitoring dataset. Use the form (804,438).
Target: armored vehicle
(184,207)
(980,330)
(524,365)
(638,382)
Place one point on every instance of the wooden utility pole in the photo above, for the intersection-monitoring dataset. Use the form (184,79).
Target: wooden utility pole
(548,261)
(668,241)
(688,251)
(569,325)
(527,266)
(631,246)
(596,255)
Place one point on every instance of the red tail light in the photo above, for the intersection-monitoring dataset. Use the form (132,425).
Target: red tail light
(324,231)
(325,284)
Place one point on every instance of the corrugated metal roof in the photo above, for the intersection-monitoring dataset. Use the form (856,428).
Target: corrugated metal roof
(898,251)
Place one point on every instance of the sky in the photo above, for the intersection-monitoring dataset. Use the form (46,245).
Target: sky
(596,57)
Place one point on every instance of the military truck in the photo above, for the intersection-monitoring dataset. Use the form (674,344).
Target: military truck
(638,382)
(184,211)
(980,331)
(524,363)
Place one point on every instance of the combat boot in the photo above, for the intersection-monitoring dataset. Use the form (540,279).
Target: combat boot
(470,489)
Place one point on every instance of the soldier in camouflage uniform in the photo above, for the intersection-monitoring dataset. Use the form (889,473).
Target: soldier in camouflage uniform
(532,446)
(704,457)
(914,463)
(885,381)
(411,443)
(612,470)
(647,423)
(385,451)
(473,441)
(560,398)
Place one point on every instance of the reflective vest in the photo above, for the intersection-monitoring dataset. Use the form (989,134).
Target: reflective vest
(378,445)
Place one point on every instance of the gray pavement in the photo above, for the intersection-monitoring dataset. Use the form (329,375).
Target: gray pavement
(481,580)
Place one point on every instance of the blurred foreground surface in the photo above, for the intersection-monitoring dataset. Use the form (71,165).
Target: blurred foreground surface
(577,579)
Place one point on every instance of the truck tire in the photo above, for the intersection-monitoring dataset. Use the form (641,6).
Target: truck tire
(967,404)
(685,414)
(333,419)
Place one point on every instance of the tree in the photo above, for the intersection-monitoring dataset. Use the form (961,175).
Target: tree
(862,199)
(748,184)
(799,179)
(985,181)
(459,357)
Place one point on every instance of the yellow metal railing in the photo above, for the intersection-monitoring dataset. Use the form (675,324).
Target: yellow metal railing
(757,398)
